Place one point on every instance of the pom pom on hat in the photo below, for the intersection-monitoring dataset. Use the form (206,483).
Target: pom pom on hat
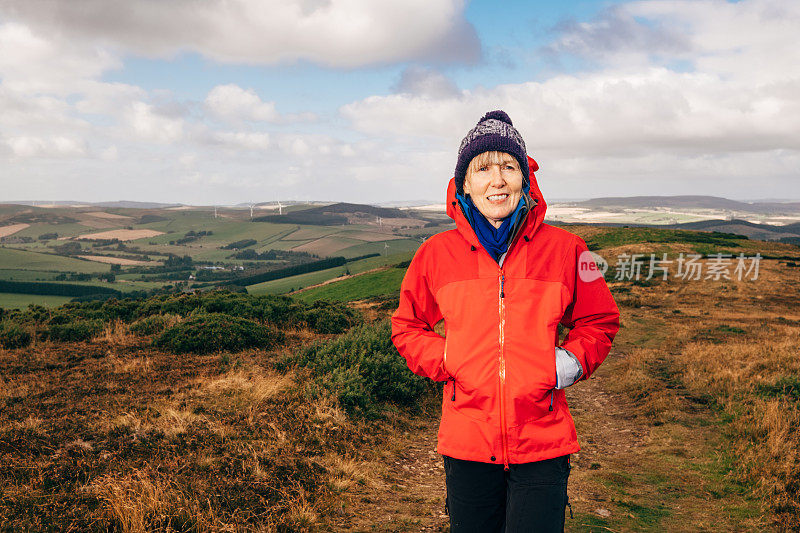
(497,115)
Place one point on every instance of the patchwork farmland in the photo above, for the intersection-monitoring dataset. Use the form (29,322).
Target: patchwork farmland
(145,251)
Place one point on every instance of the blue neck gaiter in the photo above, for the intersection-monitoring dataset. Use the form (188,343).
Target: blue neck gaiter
(494,240)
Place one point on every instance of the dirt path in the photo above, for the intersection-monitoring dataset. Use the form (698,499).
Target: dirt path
(407,492)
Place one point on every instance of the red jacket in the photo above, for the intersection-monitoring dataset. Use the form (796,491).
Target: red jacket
(500,404)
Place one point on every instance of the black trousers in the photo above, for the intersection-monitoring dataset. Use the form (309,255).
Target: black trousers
(529,497)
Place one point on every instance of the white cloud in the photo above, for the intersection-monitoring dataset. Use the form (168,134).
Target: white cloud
(148,124)
(32,62)
(750,40)
(737,97)
(231,102)
(246,140)
(337,33)
(25,147)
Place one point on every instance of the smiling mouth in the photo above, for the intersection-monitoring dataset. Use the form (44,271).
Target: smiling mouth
(497,197)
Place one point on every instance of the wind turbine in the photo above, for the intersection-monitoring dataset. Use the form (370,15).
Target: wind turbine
(280,208)
(215,211)
(251,210)
(385,247)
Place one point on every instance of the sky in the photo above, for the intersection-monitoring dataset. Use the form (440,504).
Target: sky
(221,102)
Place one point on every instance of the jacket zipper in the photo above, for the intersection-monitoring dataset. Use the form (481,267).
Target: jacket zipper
(502,368)
(551,400)
(453,398)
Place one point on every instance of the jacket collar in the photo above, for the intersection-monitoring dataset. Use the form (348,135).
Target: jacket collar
(533,220)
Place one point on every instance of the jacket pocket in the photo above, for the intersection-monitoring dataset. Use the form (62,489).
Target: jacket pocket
(474,402)
(531,384)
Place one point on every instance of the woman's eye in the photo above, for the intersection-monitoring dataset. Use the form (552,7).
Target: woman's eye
(483,169)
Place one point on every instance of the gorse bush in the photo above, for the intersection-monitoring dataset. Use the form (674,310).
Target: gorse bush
(152,324)
(328,317)
(363,369)
(276,311)
(208,332)
(12,335)
(78,330)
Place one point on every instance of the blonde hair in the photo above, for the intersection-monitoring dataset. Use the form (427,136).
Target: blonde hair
(489,158)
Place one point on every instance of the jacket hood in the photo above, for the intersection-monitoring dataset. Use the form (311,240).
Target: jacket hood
(533,220)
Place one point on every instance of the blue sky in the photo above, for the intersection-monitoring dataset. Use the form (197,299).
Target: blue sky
(354,100)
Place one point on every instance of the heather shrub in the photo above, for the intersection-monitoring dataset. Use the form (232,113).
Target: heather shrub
(12,335)
(209,332)
(152,324)
(363,369)
(77,330)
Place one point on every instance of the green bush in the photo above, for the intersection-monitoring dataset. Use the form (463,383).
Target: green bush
(13,336)
(363,369)
(208,332)
(151,325)
(78,330)
(328,317)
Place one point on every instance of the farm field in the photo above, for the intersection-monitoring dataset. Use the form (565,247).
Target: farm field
(19,301)
(384,282)
(124,244)
(12,258)
(292,283)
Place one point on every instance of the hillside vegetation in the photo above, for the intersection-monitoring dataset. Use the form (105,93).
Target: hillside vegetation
(227,411)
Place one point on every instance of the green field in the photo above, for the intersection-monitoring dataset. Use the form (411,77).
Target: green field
(370,285)
(284,285)
(14,274)
(20,301)
(11,258)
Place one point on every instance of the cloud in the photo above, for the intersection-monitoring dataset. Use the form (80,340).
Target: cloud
(143,120)
(246,140)
(334,33)
(618,31)
(26,147)
(737,97)
(748,40)
(422,81)
(31,62)
(231,102)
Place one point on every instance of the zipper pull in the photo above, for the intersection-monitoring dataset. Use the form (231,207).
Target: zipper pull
(453,398)
(502,284)
(551,401)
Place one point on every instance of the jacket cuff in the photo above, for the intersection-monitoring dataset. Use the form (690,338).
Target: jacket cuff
(568,368)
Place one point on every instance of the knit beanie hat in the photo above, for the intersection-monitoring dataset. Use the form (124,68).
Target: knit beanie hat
(494,132)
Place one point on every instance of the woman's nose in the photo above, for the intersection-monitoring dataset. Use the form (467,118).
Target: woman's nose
(496,177)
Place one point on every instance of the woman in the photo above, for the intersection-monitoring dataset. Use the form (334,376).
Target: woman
(502,281)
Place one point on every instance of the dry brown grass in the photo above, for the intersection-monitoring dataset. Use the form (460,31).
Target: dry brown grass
(141,501)
(732,345)
(117,333)
(756,381)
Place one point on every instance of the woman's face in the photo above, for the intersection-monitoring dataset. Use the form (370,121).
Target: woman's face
(495,187)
